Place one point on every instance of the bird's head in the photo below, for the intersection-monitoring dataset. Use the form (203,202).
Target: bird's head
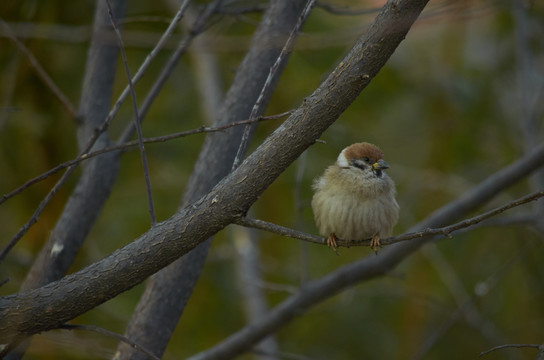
(363,156)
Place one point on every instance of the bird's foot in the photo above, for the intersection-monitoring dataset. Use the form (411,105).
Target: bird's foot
(331,242)
(375,242)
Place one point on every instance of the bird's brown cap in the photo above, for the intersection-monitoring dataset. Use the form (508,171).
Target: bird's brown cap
(362,150)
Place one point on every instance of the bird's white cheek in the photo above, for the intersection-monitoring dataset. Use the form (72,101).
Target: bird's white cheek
(341,160)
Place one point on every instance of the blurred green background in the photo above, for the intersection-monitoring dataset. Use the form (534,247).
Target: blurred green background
(447,110)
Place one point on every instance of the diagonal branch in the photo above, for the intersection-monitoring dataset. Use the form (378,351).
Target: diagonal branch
(196,29)
(66,103)
(272,75)
(137,122)
(37,212)
(505,346)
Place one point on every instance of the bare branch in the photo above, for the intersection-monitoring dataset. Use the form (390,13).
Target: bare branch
(443,231)
(537,346)
(42,74)
(110,334)
(34,218)
(287,48)
(467,307)
(284,231)
(150,57)
(137,123)
(345,11)
(181,49)
(130,144)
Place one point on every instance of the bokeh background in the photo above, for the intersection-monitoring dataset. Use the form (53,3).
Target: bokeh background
(448,110)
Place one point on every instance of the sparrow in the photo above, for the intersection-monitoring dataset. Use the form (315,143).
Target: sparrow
(355,199)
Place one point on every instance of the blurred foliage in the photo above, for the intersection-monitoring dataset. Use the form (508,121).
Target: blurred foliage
(447,110)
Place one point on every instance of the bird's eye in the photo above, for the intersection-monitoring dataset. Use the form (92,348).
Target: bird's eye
(366,158)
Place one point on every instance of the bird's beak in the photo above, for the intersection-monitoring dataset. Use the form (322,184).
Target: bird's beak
(380,165)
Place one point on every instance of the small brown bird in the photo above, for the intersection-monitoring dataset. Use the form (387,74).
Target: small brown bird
(355,199)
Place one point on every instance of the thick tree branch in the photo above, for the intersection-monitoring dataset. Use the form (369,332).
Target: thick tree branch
(50,306)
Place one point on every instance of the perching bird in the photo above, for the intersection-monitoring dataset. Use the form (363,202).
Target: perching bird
(355,199)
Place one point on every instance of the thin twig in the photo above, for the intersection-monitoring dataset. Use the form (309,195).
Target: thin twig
(145,64)
(467,308)
(111,334)
(443,231)
(136,116)
(42,74)
(197,28)
(287,48)
(72,165)
(510,346)
(345,11)
(281,230)
(34,218)
(83,154)
(130,144)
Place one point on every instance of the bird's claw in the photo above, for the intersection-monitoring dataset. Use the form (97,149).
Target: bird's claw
(375,243)
(331,242)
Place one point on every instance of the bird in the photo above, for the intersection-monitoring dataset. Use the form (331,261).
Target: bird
(354,199)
